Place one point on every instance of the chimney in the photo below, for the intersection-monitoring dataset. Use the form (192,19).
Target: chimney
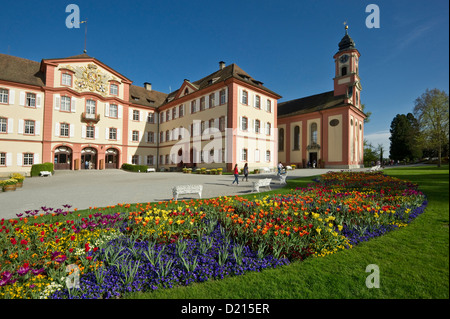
(148,86)
(221,65)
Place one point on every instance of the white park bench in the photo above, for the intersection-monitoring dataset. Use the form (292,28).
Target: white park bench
(282,178)
(266,169)
(374,168)
(187,189)
(264,182)
(45,173)
(151,169)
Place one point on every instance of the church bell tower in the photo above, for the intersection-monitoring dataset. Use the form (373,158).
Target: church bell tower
(346,80)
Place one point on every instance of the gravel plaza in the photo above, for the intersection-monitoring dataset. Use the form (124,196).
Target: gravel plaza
(100,188)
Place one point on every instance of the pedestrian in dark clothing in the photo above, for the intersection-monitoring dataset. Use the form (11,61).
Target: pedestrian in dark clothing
(245,173)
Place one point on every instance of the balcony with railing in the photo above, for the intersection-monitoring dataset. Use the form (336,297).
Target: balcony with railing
(90,118)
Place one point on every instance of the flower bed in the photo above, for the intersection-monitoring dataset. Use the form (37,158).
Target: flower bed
(150,246)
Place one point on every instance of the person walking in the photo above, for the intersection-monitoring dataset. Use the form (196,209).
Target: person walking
(236,174)
(245,173)
(280,167)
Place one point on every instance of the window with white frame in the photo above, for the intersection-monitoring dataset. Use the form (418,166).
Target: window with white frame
(268,128)
(150,137)
(3,125)
(135,160)
(113,89)
(151,118)
(65,103)
(90,131)
(257,101)
(269,106)
(2,159)
(29,127)
(267,156)
(244,97)
(90,106)
(161,137)
(222,123)
(168,115)
(257,126)
(180,111)
(202,127)
(135,115)
(244,124)
(149,160)
(174,113)
(135,136)
(66,79)
(222,97)
(64,130)
(244,155)
(113,110)
(4,96)
(30,100)
(212,100)
(28,159)
(167,135)
(202,103)
(193,106)
(112,133)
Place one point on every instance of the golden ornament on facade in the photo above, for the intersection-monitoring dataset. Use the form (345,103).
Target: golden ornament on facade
(90,78)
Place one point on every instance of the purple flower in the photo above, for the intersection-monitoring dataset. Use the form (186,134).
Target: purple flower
(23,270)
(61,259)
(37,271)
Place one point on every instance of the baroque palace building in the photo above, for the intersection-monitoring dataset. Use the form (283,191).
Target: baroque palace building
(79,113)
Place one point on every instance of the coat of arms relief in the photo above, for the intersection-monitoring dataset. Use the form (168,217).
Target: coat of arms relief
(91,78)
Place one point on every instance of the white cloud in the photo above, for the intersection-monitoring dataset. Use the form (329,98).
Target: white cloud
(380,137)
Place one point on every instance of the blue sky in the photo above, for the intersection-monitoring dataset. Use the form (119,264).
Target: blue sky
(288,45)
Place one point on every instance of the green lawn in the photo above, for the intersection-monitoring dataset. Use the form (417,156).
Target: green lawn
(413,261)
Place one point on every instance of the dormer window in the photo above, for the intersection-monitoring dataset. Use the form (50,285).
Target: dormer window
(66,79)
(113,89)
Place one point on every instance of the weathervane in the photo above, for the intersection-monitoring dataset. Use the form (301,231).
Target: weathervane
(85,35)
(346,26)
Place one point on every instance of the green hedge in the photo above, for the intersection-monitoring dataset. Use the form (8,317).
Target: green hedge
(134,168)
(37,168)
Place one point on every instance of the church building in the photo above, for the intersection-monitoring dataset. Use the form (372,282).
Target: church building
(326,129)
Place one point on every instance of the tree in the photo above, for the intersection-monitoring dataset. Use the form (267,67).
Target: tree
(381,150)
(404,138)
(431,111)
(370,154)
(368,114)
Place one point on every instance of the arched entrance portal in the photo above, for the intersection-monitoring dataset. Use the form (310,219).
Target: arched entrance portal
(111,158)
(63,158)
(88,158)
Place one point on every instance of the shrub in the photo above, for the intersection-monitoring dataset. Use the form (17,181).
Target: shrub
(37,168)
(293,166)
(134,168)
